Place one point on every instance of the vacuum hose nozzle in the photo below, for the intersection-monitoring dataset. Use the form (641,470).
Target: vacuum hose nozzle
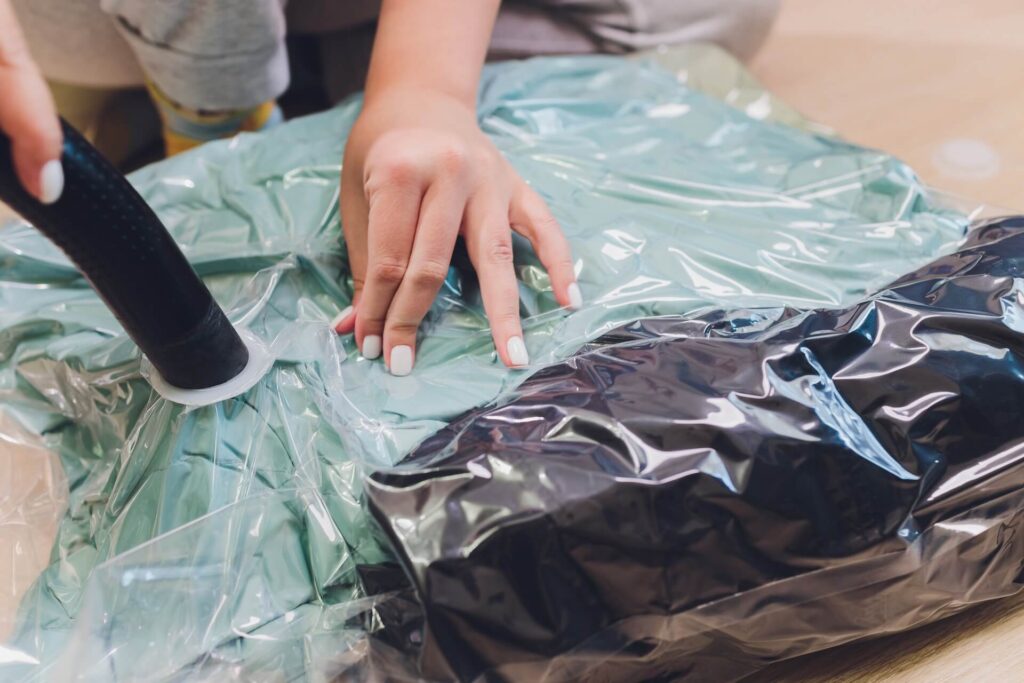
(126,253)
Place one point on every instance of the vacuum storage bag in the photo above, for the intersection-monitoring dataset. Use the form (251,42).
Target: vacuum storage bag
(698,495)
(234,541)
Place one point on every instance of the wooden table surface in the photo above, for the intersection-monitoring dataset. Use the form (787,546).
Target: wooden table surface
(939,83)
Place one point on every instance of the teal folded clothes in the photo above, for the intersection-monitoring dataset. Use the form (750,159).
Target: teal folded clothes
(226,542)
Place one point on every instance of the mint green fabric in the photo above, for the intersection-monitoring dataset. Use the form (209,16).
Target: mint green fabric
(221,543)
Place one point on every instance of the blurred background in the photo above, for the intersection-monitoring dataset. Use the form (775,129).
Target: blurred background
(938,83)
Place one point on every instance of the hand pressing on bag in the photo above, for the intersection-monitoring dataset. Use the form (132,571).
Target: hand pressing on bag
(418,173)
(28,115)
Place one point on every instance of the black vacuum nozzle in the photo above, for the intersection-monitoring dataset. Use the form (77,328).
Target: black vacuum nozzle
(126,253)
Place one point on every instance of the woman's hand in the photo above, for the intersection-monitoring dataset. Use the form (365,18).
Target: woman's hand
(418,173)
(28,115)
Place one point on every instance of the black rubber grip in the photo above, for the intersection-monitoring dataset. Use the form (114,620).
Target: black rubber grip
(126,253)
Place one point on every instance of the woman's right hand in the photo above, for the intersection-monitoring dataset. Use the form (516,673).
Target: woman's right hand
(28,115)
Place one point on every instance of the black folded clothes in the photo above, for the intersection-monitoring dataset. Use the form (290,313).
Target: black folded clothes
(697,497)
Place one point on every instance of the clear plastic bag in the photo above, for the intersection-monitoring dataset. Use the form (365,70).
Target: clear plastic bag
(231,542)
(697,495)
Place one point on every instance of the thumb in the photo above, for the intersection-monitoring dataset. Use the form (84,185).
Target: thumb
(28,115)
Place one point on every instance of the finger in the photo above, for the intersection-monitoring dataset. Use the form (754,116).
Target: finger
(28,115)
(354,210)
(531,218)
(393,213)
(438,228)
(353,224)
(345,321)
(489,242)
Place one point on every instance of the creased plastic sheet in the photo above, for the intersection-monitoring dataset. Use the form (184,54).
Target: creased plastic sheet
(231,541)
(700,495)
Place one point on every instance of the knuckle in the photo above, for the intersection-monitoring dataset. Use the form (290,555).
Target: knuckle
(505,317)
(33,139)
(483,157)
(35,136)
(389,270)
(546,223)
(401,328)
(564,265)
(453,158)
(500,252)
(371,323)
(389,172)
(398,170)
(429,274)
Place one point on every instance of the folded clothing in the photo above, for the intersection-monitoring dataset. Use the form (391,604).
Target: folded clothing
(698,496)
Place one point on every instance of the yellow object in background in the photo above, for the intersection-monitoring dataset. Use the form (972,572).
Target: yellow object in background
(121,122)
(185,129)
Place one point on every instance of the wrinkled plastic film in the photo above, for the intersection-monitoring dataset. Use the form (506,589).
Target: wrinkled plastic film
(232,542)
(679,463)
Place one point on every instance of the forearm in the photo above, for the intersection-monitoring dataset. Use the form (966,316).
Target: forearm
(431,44)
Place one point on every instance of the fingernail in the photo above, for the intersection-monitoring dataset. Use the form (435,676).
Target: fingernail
(575,297)
(371,346)
(340,318)
(517,352)
(51,181)
(401,360)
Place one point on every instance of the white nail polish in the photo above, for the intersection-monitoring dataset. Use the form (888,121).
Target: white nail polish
(371,346)
(338,319)
(401,361)
(51,181)
(517,352)
(575,297)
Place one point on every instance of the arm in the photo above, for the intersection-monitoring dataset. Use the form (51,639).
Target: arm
(27,114)
(418,173)
(431,44)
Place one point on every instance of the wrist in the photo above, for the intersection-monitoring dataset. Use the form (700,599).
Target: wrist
(405,98)
(413,90)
